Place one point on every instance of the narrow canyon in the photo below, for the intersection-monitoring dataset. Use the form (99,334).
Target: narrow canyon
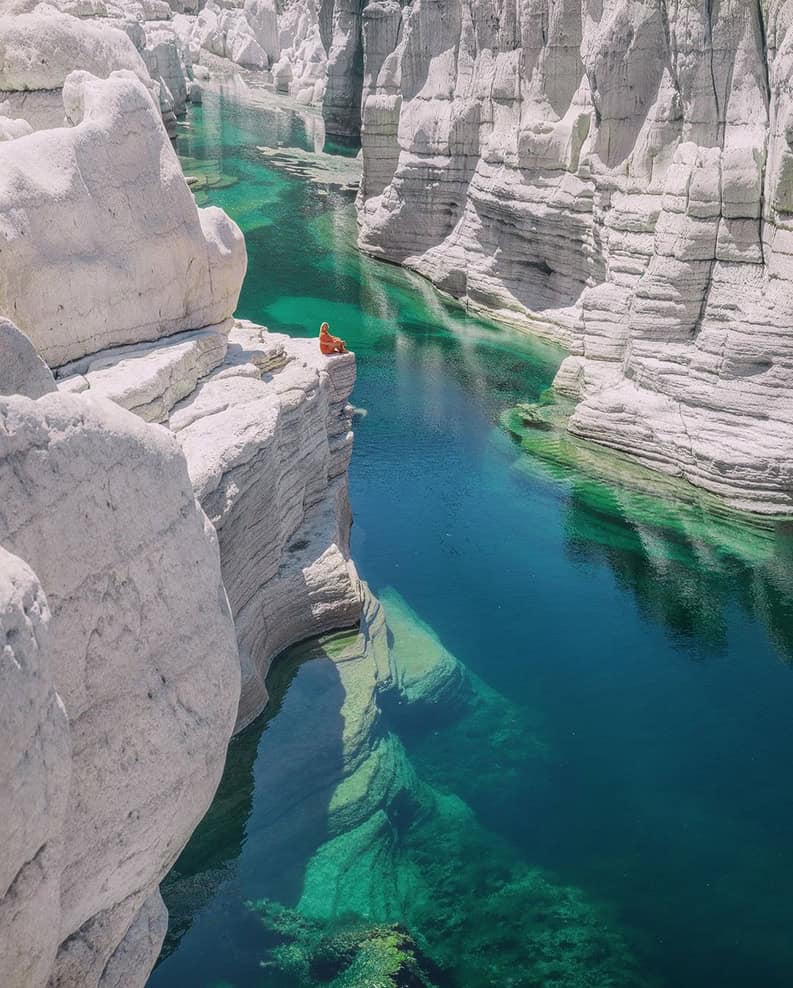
(610,179)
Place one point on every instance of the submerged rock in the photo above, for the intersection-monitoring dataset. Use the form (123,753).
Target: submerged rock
(370,872)
(428,683)
(353,954)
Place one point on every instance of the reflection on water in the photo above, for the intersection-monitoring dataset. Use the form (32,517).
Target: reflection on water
(596,790)
(685,556)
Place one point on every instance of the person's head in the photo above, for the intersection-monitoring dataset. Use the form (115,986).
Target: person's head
(324,328)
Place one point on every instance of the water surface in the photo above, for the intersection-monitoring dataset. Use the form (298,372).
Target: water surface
(634,639)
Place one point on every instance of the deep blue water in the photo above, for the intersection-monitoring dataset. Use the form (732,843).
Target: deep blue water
(645,640)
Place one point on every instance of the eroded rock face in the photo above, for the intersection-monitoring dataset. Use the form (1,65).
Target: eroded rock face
(40,47)
(22,371)
(125,287)
(228,33)
(302,66)
(35,766)
(140,647)
(101,240)
(43,42)
(612,174)
(265,426)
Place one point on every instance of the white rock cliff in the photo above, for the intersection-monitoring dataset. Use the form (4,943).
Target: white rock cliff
(128,618)
(616,175)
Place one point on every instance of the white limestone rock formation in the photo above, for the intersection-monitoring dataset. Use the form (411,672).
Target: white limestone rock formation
(140,648)
(236,33)
(47,41)
(342,39)
(613,174)
(102,241)
(125,287)
(262,15)
(39,47)
(22,371)
(264,420)
(12,127)
(265,425)
(268,443)
(35,767)
(168,61)
(302,67)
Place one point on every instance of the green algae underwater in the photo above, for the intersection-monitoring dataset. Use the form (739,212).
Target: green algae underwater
(557,752)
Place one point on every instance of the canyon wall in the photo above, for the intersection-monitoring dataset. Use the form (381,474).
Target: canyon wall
(615,175)
(174,514)
(612,174)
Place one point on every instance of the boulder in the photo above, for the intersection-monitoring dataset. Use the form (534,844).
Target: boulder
(90,264)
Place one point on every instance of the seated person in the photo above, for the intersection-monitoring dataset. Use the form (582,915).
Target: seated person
(330,344)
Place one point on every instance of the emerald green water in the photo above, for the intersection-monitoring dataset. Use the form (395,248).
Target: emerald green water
(611,804)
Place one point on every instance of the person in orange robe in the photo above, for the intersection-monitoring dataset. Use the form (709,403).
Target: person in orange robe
(328,343)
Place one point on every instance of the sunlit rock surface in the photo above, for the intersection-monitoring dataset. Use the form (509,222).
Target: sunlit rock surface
(124,287)
(302,66)
(614,175)
(228,33)
(102,240)
(41,43)
(109,777)
(35,766)
(265,424)
(268,441)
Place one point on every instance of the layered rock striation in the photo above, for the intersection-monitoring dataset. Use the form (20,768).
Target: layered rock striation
(174,514)
(120,678)
(613,174)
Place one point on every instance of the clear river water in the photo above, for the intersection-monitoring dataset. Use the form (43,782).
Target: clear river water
(616,806)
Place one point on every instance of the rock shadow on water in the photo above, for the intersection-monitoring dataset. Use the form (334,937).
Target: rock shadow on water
(269,816)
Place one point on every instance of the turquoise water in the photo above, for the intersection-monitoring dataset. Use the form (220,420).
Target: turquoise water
(612,803)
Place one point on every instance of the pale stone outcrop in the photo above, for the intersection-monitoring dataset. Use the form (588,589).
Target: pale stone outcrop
(268,453)
(301,69)
(140,647)
(150,378)
(35,766)
(228,33)
(44,42)
(265,426)
(612,174)
(262,15)
(341,104)
(103,243)
(12,127)
(22,371)
(41,44)
(39,48)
